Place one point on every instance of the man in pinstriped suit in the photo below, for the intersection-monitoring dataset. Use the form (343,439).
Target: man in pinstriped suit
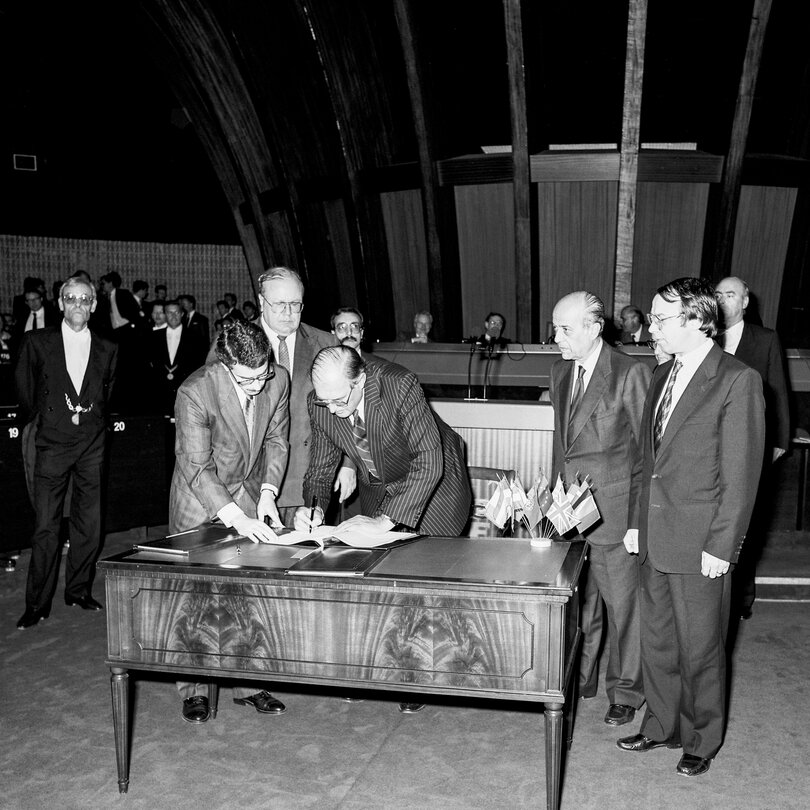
(412,472)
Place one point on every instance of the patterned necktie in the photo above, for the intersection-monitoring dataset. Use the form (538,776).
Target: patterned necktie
(664,407)
(248,411)
(361,440)
(579,392)
(283,353)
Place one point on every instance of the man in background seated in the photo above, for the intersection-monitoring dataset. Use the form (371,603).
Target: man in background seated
(422,324)
(410,465)
(231,450)
(493,332)
(634,331)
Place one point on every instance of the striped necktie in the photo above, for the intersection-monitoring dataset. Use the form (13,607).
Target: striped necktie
(665,407)
(361,440)
(283,353)
(579,392)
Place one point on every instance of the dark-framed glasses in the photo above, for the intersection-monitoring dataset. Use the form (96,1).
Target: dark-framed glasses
(337,403)
(83,300)
(349,327)
(277,307)
(652,318)
(246,382)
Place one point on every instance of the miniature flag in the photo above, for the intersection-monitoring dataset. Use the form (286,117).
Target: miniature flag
(586,512)
(519,500)
(562,516)
(499,508)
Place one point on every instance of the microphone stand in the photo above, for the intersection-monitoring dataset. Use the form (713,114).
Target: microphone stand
(473,346)
(489,349)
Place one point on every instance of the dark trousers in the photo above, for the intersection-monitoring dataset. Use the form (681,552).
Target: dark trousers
(55,465)
(612,588)
(684,620)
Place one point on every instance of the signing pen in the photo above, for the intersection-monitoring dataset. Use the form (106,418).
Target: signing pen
(312,512)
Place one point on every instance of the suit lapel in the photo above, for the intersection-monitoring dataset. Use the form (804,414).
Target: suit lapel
(566,389)
(593,394)
(230,408)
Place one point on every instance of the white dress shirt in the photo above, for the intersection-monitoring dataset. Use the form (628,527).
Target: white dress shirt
(589,364)
(290,341)
(690,363)
(732,337)
(77,354)
(173,341)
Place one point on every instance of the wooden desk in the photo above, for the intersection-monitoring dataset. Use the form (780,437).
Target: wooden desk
(487,618)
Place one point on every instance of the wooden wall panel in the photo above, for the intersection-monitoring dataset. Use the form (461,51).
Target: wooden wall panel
(670,220)
(576,242)
(486,245)
(407,254)
(764,218)
(206,271)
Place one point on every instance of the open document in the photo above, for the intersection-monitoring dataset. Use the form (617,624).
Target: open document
(348,536)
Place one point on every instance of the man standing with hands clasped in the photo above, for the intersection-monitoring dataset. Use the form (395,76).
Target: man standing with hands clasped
(703,434)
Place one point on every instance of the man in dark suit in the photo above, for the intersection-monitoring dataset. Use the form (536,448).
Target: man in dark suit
(231,449)
(232,309)
(174,352)
(704,432)
(410,464)
(492,336)
(64,378)
(759,348)
(38,314)
(192,319)
(598,394)
(634,330)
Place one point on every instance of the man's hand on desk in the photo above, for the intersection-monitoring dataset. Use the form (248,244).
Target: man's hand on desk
(301,520)
(345,483)
(267,511)
(255,530)
(630,541)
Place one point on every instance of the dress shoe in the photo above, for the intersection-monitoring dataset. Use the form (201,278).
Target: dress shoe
(84,602)
(411,708)
(263,702)
(195,709)
(638,742)
(618,714)
(32,617)
(690,765)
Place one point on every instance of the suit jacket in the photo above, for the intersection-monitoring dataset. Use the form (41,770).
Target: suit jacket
(198,323)
(420,460)
(189,357)
(604,439)
(129,308)
(215,462)
(626,338)
(760,348)
(697,493)
(48,315)
(43,381)
(308,342)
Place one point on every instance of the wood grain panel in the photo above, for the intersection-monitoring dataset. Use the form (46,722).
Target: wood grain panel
(486,242)
(577,237)
(407,254)
(764,219)
(670,221)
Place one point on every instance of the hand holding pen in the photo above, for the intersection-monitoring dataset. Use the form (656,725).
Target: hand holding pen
(308,518)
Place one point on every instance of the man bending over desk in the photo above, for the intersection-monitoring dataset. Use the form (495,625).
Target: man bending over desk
(231,452)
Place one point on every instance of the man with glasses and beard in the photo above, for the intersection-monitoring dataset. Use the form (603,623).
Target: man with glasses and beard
(231,452)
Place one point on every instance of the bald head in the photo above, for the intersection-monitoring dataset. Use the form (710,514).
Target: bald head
(732,298)
(578,319)
(338,375)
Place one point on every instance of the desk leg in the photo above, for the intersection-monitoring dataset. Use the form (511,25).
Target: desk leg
(554,727)
(119,685)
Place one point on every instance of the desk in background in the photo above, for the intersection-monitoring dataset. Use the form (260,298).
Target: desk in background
(513,603)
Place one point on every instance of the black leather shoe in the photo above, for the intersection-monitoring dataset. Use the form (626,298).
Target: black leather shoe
(84,602)
(32,617)
(411,708)
(263,702)
(618,714)
(690,765)
(195,709)
(638,742)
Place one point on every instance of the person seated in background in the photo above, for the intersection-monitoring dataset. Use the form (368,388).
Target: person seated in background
(422,324)
(493,332)
(634,330)
(251,313)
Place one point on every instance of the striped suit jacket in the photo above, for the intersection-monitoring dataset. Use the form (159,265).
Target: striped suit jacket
(214,461)
(420,460)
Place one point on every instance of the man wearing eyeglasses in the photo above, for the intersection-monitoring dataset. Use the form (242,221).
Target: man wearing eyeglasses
(703,433)
(64,378)
(231,450)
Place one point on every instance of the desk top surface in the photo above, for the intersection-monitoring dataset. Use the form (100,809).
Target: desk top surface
(496,562)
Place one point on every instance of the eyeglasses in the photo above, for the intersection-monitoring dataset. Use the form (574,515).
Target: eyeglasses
(348,327)
(658,320)
(83,300)
(337,403)
(278,307)
(245,382)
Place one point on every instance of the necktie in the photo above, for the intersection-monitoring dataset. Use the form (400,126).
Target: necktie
(579,392)
(665,407)
(283,353)
(248,411)
(34,325)
(361,440)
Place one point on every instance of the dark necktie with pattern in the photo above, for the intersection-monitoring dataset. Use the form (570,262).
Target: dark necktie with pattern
(579,392)
(283,353)
(361,440)
(665,407)
(248,411)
